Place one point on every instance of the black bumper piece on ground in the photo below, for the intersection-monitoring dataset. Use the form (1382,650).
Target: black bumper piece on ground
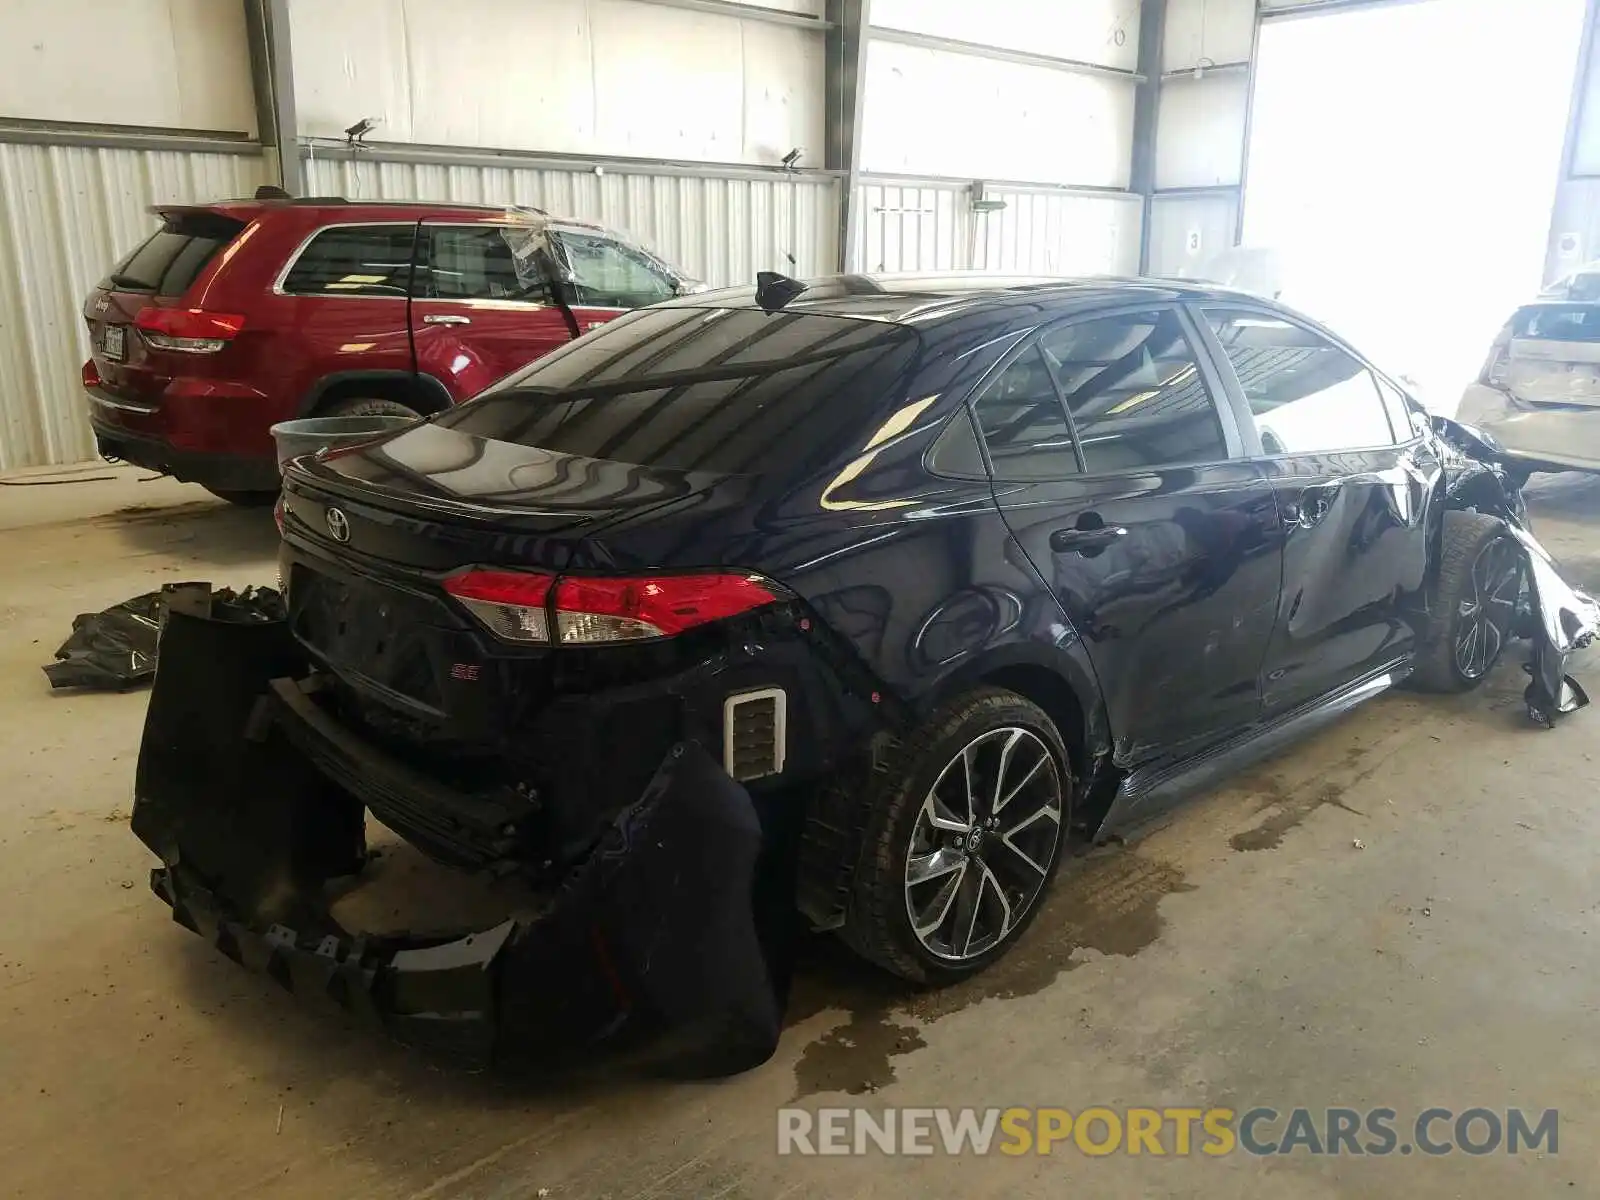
(653,938)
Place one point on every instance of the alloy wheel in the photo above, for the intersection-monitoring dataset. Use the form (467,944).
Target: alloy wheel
(1486,611)
(983,843)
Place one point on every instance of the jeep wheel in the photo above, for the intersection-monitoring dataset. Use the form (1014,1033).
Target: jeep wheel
(966,821)
(358,406)
(1473,603)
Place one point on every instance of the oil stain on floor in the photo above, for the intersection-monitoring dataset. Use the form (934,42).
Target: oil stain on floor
(1107,901)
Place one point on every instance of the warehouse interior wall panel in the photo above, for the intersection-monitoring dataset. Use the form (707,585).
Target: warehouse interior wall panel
(1105,32)
(597,77)
(171,64)
(1201,131)
(947,114)
(1186,231)
(927,227)
(1207,32)
(720,230)
(67,214)
(1574,228)
(1045,233)
(913,228)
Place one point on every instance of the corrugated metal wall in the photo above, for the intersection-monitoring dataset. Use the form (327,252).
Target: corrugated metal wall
(719,230)
(932,227)
(66,214)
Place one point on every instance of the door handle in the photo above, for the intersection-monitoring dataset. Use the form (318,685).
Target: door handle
(446,319)
(1076,541)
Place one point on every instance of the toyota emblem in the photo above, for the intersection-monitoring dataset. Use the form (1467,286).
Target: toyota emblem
(338,525)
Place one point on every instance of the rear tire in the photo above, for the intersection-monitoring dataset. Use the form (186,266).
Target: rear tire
(368,406)
(950,879)
(1473,603)
(244,499)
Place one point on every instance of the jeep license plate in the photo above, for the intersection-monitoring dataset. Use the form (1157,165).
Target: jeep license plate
(115,344)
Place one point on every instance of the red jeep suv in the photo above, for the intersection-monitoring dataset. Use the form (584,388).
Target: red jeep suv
(236,315)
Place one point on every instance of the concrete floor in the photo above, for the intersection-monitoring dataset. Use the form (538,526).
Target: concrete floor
(1248,953)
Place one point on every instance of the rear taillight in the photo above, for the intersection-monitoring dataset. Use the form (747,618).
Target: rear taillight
(517,605)
(188,330)
(91,374)
(625,610)
(511,604)
(1497,368)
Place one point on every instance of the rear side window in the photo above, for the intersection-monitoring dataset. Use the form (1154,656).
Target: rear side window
(1558,322)
(1023,423)
(1133,386)
(172,258)
(726,390)
(1307,395)
(476,262)
(354,260)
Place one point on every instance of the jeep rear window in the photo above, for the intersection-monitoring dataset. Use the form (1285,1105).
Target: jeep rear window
(726,390)
(1558,322)
(172,258)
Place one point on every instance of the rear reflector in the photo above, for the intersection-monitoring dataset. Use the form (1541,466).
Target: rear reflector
(516,605)
(188,330)
(91,375)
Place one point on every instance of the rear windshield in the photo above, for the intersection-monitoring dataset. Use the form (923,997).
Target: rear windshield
(1558,322)
(175,254)
(725,390)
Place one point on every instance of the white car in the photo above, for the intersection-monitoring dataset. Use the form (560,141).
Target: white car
(1539,392)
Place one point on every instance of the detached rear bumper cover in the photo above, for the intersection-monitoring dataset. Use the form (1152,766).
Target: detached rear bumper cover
(653,937)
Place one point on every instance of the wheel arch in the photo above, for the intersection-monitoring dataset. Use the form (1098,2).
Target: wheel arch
(422,392)
(1056,681)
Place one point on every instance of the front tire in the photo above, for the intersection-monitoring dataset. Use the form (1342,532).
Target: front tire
(1473,604)
(967,818)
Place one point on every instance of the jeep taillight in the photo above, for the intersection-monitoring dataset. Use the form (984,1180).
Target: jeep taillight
(518,606)
(188,330)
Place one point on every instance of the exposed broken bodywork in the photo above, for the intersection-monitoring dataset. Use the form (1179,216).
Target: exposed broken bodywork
(1559,618)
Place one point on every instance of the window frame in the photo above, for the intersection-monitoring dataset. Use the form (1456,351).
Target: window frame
(278,288)
(1234,442)
(1200,318)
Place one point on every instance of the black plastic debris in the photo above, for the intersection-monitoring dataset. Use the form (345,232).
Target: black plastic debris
(116,648)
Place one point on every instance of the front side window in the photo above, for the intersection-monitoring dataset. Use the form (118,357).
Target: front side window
(1307,395)
(1133,385)
(607,274)
(479,262)
(354,260)
(1023,424)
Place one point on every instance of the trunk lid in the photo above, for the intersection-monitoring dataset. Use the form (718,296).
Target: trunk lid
(1554,354)
(435,498)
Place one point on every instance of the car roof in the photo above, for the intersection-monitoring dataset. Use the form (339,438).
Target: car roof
(922,298)
(337,209)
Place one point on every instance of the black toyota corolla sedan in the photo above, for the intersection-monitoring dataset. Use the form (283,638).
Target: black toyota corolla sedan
(940,571)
